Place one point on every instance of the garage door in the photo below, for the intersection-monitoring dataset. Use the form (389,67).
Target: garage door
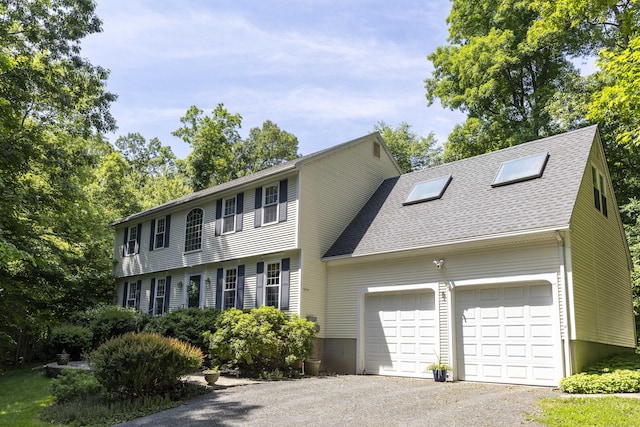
(400,333)
(506,334)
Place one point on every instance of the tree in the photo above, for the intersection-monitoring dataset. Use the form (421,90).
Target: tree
(220,155)
(491,71)
(411,151)
(52,104)
(213,141)
(265,147)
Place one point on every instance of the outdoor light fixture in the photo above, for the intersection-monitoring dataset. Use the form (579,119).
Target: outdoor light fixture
(439,263)
(207,281)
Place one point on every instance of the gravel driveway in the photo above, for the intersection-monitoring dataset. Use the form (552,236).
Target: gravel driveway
(354,400)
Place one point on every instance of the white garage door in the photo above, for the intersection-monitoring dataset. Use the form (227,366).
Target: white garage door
(400,333)
(507,334)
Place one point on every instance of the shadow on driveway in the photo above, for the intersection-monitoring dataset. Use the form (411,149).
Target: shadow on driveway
(354,400)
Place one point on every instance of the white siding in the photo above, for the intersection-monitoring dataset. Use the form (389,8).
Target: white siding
(346,278)
(333,189)
(601,278)
(249,242)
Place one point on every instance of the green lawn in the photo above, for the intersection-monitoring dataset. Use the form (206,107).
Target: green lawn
(23,394)
(591,411)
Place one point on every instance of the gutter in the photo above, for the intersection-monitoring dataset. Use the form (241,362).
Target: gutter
(568,369)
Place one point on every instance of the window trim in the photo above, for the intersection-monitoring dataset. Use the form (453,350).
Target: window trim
(276,203)
(445,179)
(156,226)
(520,178)
(600,193)
(135,241)
(186,229)
(226,216)
(131,302)
(278,285)
(155,297)
(225,291)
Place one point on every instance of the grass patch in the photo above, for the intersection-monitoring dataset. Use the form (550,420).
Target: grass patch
(594,411)
(23,394)
(97,410)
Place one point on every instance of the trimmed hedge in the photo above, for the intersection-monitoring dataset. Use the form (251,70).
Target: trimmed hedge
(617,374)
(143,364)
(73,339)
(261,341)
(186,324)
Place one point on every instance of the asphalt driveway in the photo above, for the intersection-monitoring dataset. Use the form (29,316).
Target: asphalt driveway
(355,400)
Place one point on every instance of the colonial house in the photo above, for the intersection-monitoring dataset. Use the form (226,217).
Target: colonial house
(511,266)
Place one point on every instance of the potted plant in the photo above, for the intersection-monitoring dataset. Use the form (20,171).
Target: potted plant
(439,370)
(211,375)
(62,358)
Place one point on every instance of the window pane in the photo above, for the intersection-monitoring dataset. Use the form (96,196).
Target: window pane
(193,292)
(193,233)
(428,190)
(273,296)
(521,169)
(228,224)
(271,195)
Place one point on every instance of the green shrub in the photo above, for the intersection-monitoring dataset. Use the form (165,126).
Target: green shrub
(73,384)
(261,340)
(112,321)
(186,324)
(618,374)
(143,364)
(73,339)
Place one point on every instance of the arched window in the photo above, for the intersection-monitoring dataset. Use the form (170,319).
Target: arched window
(193,232)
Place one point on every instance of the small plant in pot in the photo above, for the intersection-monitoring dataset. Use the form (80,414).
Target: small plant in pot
(211,375)
(62,358)
(439,370)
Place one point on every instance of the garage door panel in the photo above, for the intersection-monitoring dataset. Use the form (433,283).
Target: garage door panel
(400,333)
(510,338)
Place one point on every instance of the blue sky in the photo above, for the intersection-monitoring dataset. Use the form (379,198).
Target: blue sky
(323,70)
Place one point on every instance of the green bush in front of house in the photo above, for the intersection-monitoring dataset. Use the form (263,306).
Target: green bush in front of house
(73,339)
(186,324)
(143,364)
(111,321)
(74,384)
(262,340)
(617,374)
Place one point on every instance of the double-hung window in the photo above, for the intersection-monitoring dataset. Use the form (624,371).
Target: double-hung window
(132,240)
(270,204)
(230,287)
(272,285)
(131,296)
(229,216)
(193,231)
(599,191)
(158,306)
(159,233)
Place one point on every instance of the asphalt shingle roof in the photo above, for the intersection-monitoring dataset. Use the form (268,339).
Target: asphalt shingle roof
(470,208)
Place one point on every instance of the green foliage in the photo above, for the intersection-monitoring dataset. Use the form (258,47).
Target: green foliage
(143,364)
(618,374)
(112,321)
(600,412)
(261,340)
(186,324)
(73,339)
(412,152)
(74,384)
(218,153)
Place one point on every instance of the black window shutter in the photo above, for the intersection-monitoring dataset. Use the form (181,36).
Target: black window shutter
(240,288)
(259,283)
(284,283)
(239,211)
(283,195)
(152,297)
(167,223)
(125,293)
(219,296)
(138,238)
(152,234)
(126,242)
(257,219)
(218,217)
(167,293)
(138,294)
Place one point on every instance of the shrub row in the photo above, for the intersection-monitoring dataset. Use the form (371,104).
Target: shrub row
(260,342)
(617,374)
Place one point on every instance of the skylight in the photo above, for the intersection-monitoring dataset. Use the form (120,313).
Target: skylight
(522,169)
(428,190)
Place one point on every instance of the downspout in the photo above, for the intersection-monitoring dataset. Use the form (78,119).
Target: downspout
(567,316)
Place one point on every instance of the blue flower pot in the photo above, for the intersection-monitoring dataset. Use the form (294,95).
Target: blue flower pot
(439,375)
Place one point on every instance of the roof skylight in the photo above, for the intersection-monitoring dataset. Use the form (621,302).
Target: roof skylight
(522,169)
(428,190)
